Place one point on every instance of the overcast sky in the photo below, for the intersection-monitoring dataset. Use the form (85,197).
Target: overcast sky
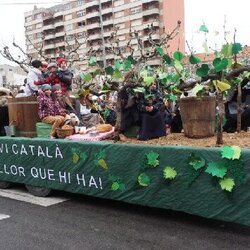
(213,13)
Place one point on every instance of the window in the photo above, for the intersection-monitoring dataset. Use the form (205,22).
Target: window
(81,35)
(119,14)
(68,27)
(70,37)
(135,10)
(39,25)
(81,24)
(39,35)
(80,2)
(80,13)
(68,17)
(29,28)
(30,37)
(136,23)
(28,19)
(67,6)
(38,16)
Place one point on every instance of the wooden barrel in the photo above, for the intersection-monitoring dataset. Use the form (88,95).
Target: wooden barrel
(198,116)
(23,113)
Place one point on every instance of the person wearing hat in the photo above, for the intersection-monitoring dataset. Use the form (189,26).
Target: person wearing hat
(34,75)
(71,117)
(65,75)
(50,110)
(86,110)
(51,77)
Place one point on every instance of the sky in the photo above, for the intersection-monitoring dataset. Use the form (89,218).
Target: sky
(213,13)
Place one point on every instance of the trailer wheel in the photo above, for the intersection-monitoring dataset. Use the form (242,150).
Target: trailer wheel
(38,191)
(5,184)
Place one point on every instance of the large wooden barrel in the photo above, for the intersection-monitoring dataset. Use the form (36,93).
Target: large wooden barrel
(23,113)
(198,116)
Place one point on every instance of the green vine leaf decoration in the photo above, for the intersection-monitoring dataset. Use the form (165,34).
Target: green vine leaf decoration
(194,60)
(203,28)
(152,159)
(227,184)
(169,173)
(196,162)
(231,153)
(143,180)
(217,169)
(116,183)
(237,152)
(115,186)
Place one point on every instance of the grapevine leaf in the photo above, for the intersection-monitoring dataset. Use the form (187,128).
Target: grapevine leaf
(203,28)
(197,88)
(178,55)
(227,152)
(159,51)
(87,77)
(167,59)
(203,70)
(194,60)
(117,74)
(117,64)
(222,86)
(217,169)
(169,173)
(109,70)
(152,159)
(148,80)
(196,162)
(237,152)
(227,184)
(237,47)
(143,180)
(92,61)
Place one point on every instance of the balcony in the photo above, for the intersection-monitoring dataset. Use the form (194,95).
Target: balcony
(107,22)
(92,3)
(147,24)
(49,36)
(153,36)
(58,24)
(150,1)
(151,11)
(93,26)
(92,14)
(94,36)
(49,46)
(61,33)
(58,13)
(106,1)
(48,27)
(107,10)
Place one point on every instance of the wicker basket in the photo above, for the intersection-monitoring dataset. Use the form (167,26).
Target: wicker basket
(102,128)
(62,133)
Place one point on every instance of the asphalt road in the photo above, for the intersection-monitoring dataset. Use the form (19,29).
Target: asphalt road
(89,223)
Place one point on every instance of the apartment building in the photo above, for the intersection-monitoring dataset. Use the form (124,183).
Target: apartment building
(90,23)
(11,76)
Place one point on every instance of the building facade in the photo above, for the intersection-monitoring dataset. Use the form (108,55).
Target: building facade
(91,22)
(11,77)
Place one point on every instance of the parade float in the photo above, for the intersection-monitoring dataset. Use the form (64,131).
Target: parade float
(212,182)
